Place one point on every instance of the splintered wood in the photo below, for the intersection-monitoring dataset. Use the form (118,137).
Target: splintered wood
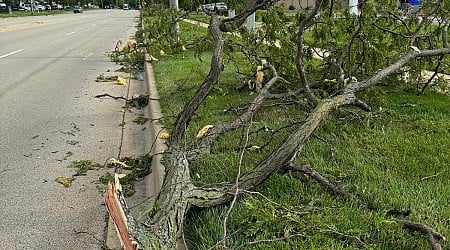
(118,216)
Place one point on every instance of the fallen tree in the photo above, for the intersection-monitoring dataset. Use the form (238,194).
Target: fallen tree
(353,61)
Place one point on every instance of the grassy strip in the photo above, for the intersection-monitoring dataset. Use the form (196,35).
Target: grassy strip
(393,158)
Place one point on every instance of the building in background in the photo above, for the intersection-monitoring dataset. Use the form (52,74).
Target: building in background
(297,4)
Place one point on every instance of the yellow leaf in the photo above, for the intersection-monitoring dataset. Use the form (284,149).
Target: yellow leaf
(162,53)
(164,136)
(152,58)
(121,81)
(66,181)
(129,46)
(204,130)
(183,48)
(115,162)
(260,76)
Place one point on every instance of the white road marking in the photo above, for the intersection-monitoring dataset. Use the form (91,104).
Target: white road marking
(11,53)
(71,33)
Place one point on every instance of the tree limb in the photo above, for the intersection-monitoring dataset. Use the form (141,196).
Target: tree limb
(318,177)
(279,157)
(185,116)
(299,57)
(433,236)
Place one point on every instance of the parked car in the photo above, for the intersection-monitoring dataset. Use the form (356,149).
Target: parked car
(410,6)
(220,6)
(24,8)
(77,9)
(3,7)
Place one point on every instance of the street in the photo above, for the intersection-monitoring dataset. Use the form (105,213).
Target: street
(49,118)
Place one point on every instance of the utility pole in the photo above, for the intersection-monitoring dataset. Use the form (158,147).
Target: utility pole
(353,5)
(174,4)
(176,27)
(251,21)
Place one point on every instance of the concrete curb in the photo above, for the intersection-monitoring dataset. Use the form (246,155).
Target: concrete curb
(147,190)
(155,179)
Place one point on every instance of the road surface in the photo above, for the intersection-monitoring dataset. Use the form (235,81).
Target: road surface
(49,118)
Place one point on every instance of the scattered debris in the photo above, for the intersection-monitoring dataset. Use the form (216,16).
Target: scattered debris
(114,97)
(138,101)
(103,78)
(72,142)
(66,181)
(106,178)
(66,156)
(164,136)
(141,120)
(136,167)
(83,166)
(113,162)
(121,81)
(204,130)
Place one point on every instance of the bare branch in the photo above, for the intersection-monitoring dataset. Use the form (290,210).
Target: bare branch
(236,183)
(318,177)
(237,21)
(205,143)
(362,105)
(299,57)
(433,236)
(377,77)
(424,20)
(272,240)
(435,73)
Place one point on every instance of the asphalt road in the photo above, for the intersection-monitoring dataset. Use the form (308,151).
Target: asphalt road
(49,118)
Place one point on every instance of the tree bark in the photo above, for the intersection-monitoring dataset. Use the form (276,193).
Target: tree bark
(185,116)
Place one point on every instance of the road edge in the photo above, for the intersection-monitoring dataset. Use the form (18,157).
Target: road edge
(152,183)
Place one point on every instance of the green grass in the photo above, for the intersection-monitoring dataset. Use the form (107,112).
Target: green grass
(395,157)
(199,16)
(380,157)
